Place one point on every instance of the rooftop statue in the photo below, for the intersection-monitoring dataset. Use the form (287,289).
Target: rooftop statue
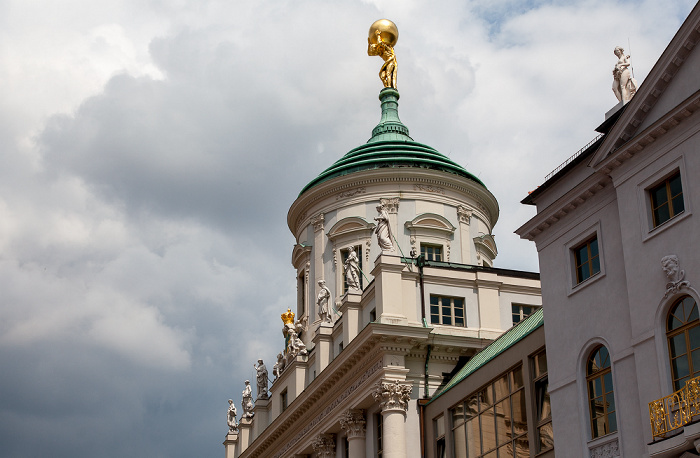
(231,417)
(383,230)
(624,85)
(383,36)
(262,379)
(247,401)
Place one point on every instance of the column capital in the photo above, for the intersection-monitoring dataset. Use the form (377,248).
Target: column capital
(353,422)
(393,395)
(324,445)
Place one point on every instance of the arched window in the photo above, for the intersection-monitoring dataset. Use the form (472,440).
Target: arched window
(683,333)
(601,399)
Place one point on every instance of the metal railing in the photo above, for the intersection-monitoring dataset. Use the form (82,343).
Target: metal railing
(675,410)
(574,156)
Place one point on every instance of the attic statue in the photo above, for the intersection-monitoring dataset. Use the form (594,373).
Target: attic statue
(624,85)
(324,294)
(383,36)
(231,417)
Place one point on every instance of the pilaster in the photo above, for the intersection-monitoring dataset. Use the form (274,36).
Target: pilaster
(350,310)
(464,215)
(388,289)
(262,415)
(324,346)
(230,444)
(245,429)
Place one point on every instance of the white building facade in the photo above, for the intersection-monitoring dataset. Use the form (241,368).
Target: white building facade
(623,334)
(349,385)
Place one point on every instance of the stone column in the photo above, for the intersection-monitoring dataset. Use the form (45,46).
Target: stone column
(353,422)
(230,444)
(324,446)
(393,398)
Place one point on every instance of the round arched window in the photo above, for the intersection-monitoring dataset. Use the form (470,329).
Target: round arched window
(683,333)
(601,398)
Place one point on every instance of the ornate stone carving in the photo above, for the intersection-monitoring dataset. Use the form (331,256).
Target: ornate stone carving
(608,450)
(447,247)
(391,205)
(353,422)
(324,294)
(318,221)
(231,417)
(368,246)
(428,188)
(324,445)
(247,401)
(464,214)
(262,379)
(279,365)
(624,86)
(383,229)
(392,395)
(352,270)
(674,274)
(335,256)
(350,193)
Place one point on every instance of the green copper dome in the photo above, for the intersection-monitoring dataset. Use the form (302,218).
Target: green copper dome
(390,147)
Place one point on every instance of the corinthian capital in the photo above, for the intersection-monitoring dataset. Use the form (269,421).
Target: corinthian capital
(392,395)
(324,445)
(353,422)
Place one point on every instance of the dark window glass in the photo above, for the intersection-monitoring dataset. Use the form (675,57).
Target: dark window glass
(587,260)
(666,199)
(683,334)
(601,399)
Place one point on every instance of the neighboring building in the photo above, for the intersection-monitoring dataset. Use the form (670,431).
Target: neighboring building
(621,331)
(497,401)
(350,380)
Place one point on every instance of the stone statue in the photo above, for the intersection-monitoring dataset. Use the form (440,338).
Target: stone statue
(383,36)
(279,366)
(383,229)
(624,86)
(296,346)
(231,417)
(352,270)
(247,401)
(262,379)
(324,311)
(674,275)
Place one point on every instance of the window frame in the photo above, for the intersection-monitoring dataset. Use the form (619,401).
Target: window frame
(665,183)
(441,308)
(540,377)
(593,230)
(432,246)
(589,262)
(592,376)
(682,329)
(521,312)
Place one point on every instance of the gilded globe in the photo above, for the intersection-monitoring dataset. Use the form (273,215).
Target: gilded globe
(388,30)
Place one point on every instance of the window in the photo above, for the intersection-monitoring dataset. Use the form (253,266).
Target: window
(431,252)
(520,312)
(440,436)
(447,310)
(344,255)
(543,409)
(666,199)
(601,398)
(373,315)
(683,333)
(380,426)
(284,399)
(493,421)
(587,259)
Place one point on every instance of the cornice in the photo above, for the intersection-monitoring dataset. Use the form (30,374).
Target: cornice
(342,190)
(568,203)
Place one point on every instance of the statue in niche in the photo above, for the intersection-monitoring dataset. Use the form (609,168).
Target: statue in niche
(324,310)
(231,417)
(382,38)
(247,401)
(383,229)
(279,366)
(624,86)
(352,269)
(674,275)
(262,379)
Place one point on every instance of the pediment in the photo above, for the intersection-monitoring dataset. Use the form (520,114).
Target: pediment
(300,254)
(350,225)
(487,242)
(668,94)
(431,221)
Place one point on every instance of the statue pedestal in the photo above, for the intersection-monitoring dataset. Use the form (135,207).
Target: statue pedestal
(230,444)
(350,310)
(323,340)
(245,429)
(262,415)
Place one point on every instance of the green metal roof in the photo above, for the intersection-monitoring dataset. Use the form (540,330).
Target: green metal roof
(390,147)
(495,348)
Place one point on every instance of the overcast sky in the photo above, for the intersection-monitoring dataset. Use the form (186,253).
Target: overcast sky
(150,150)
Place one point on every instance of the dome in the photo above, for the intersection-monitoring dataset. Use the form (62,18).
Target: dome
(390,147)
